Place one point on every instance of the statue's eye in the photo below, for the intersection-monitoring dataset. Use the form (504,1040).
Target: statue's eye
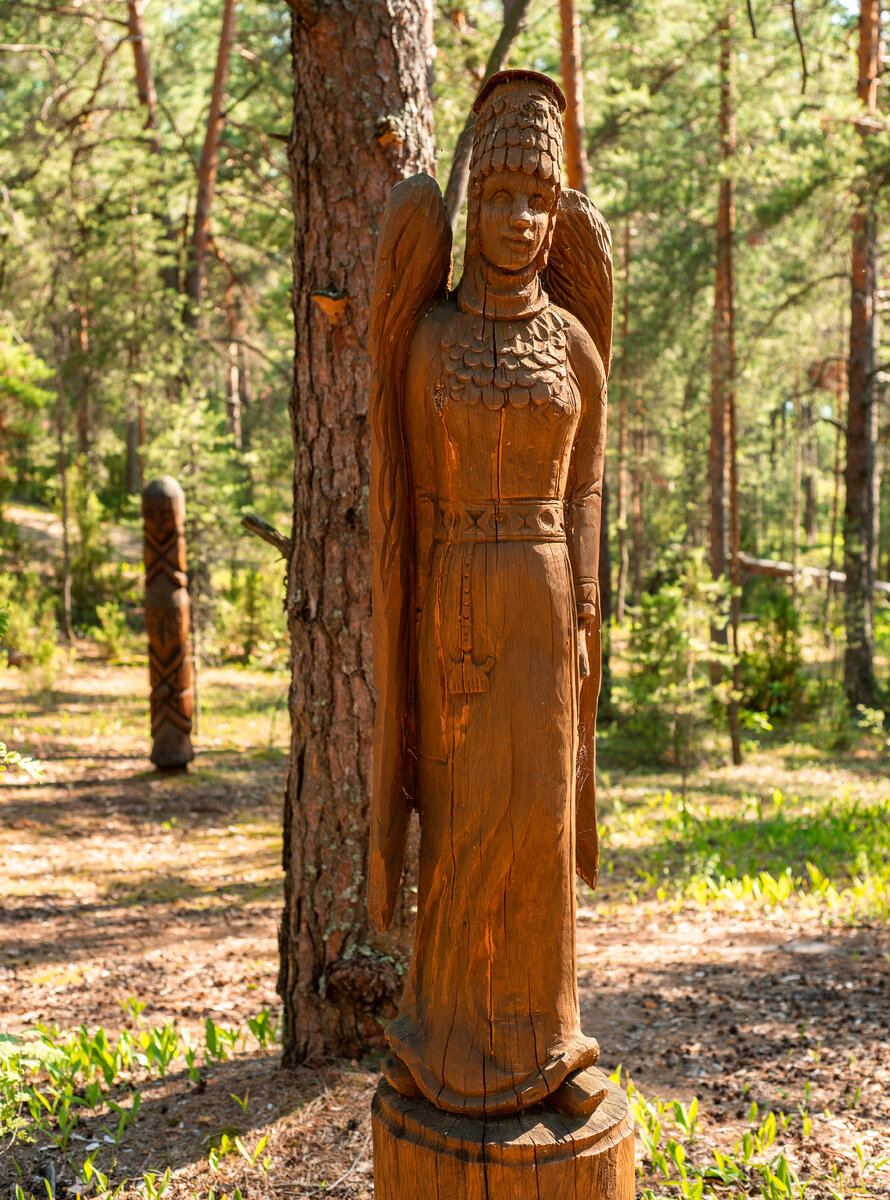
(502,196)
(539,202)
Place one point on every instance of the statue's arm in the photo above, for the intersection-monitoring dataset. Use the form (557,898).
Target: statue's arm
(422,475)
(585,496)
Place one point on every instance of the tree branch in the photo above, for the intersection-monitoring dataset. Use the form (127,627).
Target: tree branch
(803,56)
(262,529)
(456,188)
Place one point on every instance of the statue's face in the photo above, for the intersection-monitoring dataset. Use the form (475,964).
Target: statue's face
(513,218)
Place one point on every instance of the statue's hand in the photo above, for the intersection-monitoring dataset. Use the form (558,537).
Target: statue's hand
(583,659)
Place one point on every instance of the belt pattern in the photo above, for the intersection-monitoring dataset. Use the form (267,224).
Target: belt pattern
(502,521)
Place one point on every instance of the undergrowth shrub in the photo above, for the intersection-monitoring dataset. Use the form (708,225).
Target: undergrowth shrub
(771,665)
(31,635)
(668,700)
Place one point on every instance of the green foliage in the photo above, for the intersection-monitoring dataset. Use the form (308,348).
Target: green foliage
(91,548)
(109,633)
(49,1080)
(772,663)
(832,856)
(668,700)
(755,1165)
(21,399)
(31,629)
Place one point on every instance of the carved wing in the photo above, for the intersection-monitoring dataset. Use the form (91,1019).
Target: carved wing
(579,278)
(412,269)
(579,268)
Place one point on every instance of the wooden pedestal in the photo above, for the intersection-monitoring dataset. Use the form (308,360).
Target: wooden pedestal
(421,1153)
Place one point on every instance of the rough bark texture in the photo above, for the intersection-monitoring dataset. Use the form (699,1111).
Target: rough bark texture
(861,472)
(573,119)
(148,98)
(216,119)
(623,405)
(723,347)
(362,121)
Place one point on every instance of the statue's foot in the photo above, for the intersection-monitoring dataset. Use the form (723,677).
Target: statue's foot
(579,1093)
(397,1074)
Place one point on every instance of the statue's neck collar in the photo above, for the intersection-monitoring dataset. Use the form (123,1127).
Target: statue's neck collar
(500,295)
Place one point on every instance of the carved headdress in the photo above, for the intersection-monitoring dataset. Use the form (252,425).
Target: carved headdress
(518,128)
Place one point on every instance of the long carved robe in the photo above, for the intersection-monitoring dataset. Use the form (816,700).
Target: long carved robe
(505,425)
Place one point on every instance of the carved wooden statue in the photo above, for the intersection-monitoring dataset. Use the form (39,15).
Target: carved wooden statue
(488,410)
(167,624)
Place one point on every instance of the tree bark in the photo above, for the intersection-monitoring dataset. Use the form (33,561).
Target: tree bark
(722,475)
(148,98)
(861,468)
(576,174)
(459,175)
(352,140)
(572,84)
(623,405)
(216,119)
(723,347)
(61,441)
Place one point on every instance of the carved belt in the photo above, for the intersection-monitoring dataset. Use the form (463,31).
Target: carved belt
(501,521)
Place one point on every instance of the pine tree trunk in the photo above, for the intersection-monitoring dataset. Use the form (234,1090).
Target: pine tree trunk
(861,471)
(216,119)
(362,121)
(623,405)
(723,350)
(148,98)
(572,83)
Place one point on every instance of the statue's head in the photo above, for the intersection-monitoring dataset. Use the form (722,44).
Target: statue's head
(515,170)
(163,507)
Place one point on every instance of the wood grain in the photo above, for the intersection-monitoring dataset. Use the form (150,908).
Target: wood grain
(421,1152)
(167,624)
(488,410)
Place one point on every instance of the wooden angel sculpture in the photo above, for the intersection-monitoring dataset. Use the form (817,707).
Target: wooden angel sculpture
(488,409)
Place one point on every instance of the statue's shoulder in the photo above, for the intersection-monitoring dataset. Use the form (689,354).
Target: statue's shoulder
(433,329)
(582,351)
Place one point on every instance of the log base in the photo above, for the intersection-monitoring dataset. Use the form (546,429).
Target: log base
(421,1153)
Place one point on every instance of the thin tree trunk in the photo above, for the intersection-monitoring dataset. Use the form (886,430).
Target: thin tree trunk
(723,482)
(208,164)
(835,505)
(795,489)
(722,345)
(576,172)
(572,84)
(338,978)
(67,627)
(623,405)
(861,471)
(723,349)
(148,98)
(638,498)
(83,379)
(136,422)
(459,175)
(735,575)
(809,508)
(233,371)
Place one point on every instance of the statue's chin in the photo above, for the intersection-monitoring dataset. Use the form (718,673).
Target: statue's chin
(512,266)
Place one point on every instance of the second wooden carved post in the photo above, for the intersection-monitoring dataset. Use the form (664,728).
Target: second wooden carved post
(488,413)
(167,624)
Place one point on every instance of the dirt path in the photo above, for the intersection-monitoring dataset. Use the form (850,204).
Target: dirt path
(120,883)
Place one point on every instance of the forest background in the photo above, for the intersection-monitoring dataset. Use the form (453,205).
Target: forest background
(146,227)
(149,176)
